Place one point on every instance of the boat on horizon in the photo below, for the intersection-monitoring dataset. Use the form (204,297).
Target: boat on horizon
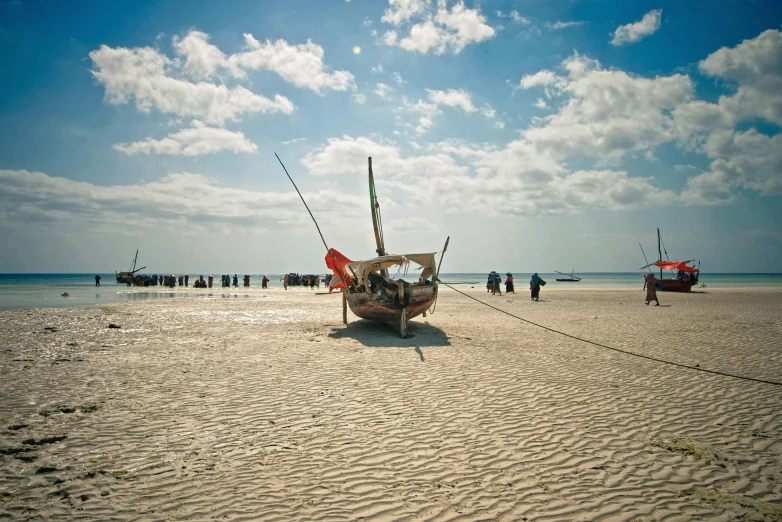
(368,290)
(686,276)
(127,277)
(571,278)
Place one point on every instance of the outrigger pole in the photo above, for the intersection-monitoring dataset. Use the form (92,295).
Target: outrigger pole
(644,253)
(302,200)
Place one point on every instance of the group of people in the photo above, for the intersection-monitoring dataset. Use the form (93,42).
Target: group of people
(311,280)
(172,281)
(226,280)
(495,280)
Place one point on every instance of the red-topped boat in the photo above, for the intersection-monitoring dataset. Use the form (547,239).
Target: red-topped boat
(686,276)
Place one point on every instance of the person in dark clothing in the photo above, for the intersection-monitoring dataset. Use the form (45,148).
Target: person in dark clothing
(97,280)
(534,285)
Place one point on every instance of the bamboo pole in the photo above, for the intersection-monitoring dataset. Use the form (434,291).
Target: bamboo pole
(345,307)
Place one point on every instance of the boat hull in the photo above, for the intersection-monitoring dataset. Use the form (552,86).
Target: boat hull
(568,280)
(372,307)
(674,285)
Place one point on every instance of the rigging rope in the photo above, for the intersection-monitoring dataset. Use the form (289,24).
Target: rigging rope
(696,368)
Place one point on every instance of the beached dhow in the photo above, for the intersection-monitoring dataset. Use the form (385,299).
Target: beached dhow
(365,284)
(686,276)
(368,289)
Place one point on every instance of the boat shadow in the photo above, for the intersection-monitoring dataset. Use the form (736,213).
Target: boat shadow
(376,335)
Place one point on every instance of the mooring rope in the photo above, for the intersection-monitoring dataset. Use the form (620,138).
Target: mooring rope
(696,368)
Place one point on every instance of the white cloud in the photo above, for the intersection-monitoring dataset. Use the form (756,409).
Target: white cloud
(756,65)
(488,112)
(195,141)
(382,90)
(608,113)
(542,78)
(377,69)
(295,140)
(398,79)
(400,11)
(635,32)
(178,199)
(452,98)
(435,29)
(154,81)
(301,65)
(556,26)
(513,180)
(541,104)
(146,76)
(517,18)
(747,160)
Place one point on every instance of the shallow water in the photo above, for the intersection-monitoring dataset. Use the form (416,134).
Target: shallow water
(45,290)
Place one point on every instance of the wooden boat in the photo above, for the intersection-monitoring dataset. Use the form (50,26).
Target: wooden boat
(367,288)
(126,277)
(686,276)
(571,278)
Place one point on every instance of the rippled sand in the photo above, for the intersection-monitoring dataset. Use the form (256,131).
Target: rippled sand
(267,408)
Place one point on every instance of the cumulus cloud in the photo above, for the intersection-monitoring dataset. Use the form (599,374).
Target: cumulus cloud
(556,26)
(604,114)
(435,29)
(483,178)
(452,98)
(608,113)
(186,86)
(195,141)
(383,90)
(148,77)
(180,199)
(637,31)
(427,110)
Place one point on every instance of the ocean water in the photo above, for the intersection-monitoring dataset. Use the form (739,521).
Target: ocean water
(45,290)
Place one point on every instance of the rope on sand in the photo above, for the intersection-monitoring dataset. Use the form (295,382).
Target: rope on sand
(696,368)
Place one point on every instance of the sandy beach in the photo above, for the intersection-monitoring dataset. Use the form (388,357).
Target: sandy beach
(262,405)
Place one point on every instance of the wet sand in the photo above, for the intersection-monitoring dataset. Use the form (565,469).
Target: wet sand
(267,408)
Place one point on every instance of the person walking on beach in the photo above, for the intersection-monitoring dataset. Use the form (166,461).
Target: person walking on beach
(650,283)
(496,287)
(97,280)
(490,282)
(264,282)
(509,284)
(534,286)
(186,278)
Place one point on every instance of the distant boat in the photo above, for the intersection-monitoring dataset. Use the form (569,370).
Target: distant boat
(126,277)
(571,278)
(686,276)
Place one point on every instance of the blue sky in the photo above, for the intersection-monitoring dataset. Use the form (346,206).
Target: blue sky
(539,135)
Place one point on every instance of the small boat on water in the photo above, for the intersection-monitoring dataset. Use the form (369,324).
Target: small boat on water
(370,292)
(126,277)
(686,276)
(570,279)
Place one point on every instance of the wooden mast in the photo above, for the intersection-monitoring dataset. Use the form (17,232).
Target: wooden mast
(376,223)
(381,250)
(659,252)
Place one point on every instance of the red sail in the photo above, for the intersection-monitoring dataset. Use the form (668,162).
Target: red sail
(339,265)
(676,265)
